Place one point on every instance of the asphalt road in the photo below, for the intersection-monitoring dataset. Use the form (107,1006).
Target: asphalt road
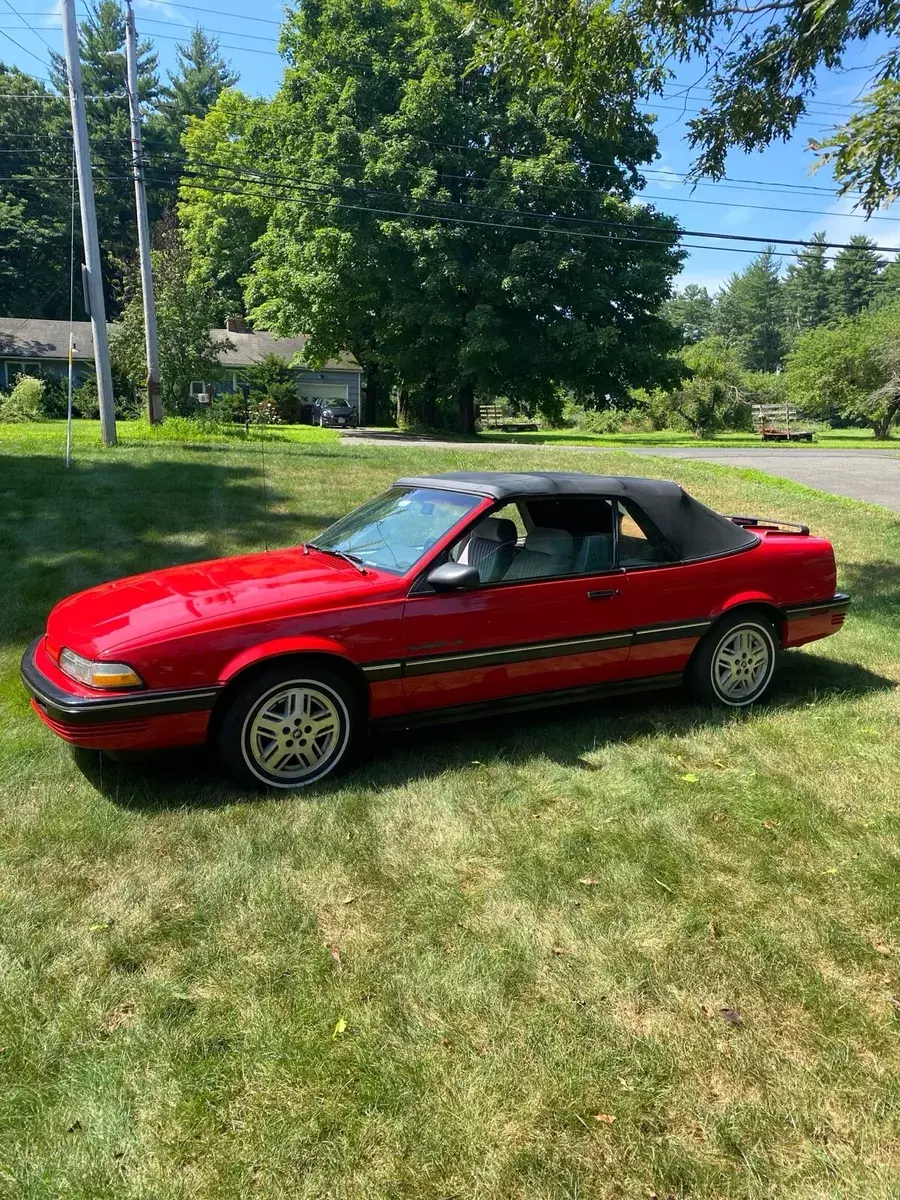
(872,475)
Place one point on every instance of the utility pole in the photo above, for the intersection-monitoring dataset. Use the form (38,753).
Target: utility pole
(89,227)
(154,396)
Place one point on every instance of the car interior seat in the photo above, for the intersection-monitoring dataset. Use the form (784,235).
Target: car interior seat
(491,548)
(546,552)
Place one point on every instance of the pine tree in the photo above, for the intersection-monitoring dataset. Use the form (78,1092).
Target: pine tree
(750,314)
(807,289)
(692,311)
(101,40)
(34,213)
(855,277)
(202,76)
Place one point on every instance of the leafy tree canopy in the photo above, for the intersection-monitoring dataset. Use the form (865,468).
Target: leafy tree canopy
(221,218)
(763,62)
(409,199)
(712,396)
(185,318)
(851,369)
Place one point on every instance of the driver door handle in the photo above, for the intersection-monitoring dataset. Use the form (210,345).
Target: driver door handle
(608,595)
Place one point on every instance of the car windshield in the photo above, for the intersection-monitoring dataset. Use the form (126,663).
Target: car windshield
(393,531)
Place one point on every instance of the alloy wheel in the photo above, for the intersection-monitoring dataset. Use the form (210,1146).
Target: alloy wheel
(296,732)
(742,664)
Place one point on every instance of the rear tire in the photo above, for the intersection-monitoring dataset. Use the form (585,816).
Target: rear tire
(735,663)
(290,726)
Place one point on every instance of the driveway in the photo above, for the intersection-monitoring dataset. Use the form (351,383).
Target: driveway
(872,475)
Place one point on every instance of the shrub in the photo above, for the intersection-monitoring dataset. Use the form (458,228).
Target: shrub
(272,381)
(25,401)
(230,408)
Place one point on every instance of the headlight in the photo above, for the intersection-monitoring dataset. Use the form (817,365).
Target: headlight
(98,674)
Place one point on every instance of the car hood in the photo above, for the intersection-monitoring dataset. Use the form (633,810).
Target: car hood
(144,608)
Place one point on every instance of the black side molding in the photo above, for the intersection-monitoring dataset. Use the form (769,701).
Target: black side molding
(575,695)
(838,603)
(62,706)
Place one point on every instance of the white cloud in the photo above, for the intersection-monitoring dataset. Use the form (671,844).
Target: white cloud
(711,280)
(734,216)
(160,9)
(840,225)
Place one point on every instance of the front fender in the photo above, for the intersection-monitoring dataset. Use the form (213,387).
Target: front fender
(278,647)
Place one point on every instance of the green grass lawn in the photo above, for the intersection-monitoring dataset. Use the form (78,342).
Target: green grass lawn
(490,963)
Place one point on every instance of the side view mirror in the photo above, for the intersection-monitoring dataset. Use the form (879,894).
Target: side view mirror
(454,577)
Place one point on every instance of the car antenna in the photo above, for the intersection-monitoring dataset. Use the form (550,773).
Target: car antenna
(262,431)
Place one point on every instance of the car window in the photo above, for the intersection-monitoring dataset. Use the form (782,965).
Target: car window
(542,539)
(640,542)
(395,530)
(492,544)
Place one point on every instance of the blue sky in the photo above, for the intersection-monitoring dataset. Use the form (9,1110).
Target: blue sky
(248,41)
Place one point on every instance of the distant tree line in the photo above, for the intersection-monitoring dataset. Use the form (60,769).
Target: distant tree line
(824,334)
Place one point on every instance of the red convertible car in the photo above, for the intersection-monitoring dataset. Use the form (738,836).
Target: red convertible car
(447,597)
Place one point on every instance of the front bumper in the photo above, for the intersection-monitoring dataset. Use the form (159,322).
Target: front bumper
(133,720)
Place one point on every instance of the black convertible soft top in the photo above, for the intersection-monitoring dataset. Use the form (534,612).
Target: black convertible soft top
(691,529)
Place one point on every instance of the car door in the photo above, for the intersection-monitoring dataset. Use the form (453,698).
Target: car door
(669,602)
(524,634)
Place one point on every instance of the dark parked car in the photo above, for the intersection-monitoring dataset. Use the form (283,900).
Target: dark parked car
(334,413)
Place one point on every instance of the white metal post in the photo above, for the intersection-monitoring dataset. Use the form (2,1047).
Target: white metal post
(89,227)
(69,407)
(154,397)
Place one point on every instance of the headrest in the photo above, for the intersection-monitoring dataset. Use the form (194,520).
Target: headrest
(496,529)
(549,541)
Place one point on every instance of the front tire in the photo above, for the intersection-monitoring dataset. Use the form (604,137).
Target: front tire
(735,663)
(289,727)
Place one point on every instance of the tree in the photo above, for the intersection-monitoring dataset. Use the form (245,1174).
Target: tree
(410,217)
(202,76)
(222,218)
(750,314)
(692,311)
(764,63)
(101,41)
(889,289)
(851,369)
(855,277)
(34,214)
(273,380)
(807,289)
(184,314)
(711,398)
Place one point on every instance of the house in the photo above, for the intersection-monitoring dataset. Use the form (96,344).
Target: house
(26,345)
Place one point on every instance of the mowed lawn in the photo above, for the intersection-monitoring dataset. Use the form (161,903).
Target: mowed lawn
(618,951)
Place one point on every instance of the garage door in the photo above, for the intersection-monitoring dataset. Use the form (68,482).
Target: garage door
(323,391)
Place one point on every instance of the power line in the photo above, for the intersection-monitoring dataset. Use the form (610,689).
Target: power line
(258,37)
(291,197)
(42,61)
(218,12)
(282,180)
(28,25)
